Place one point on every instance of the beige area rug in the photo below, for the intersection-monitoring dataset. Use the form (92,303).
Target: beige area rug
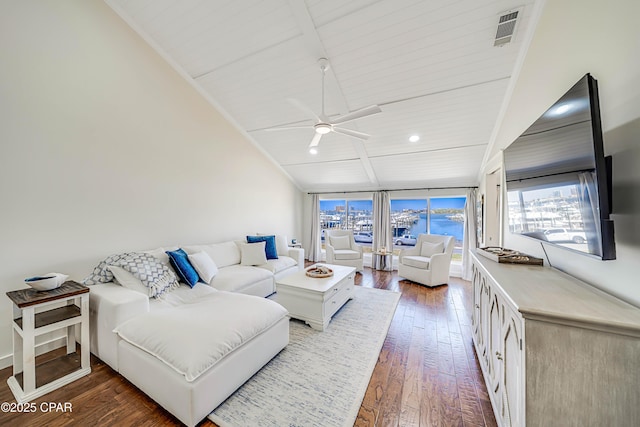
(320,378)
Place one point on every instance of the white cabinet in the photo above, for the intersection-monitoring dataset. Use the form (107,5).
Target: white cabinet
(498,339)
(511,356)
(553,350)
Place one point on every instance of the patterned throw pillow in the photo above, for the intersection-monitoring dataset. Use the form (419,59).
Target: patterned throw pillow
(148,269)
(101,273)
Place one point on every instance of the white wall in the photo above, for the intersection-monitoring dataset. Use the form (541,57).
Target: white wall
(104,148)
(575,37)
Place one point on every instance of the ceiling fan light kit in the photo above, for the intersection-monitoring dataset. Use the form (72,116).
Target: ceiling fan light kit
(323,124)
(322,128)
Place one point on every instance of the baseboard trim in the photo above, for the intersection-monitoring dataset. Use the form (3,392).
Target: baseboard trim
(44,347)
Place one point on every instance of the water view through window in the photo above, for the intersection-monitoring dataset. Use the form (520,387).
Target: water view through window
(437,215)
(348,215)
(409,217)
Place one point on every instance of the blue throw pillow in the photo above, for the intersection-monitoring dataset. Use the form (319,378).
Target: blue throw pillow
(269,247)
(183,267)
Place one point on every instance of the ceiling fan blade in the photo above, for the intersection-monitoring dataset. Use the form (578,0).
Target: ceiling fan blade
(309,112)
(286,128)
(363,112)
(316,140)
(352,133)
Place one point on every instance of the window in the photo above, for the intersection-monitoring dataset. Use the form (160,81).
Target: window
(446,217)
(353,215)
(435,215)
(408,219)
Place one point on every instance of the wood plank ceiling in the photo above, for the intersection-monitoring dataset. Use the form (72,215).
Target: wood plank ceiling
(431,66)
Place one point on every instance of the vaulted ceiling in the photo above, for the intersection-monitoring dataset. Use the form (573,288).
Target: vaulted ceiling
(431,66)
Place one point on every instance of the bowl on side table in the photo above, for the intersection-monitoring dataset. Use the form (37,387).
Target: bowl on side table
(47,282)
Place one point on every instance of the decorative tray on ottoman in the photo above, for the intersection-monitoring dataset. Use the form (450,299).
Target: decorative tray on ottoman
(508,256)
(319,271)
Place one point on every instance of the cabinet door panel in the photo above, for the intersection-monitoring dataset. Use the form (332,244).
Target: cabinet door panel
(512,386)
(475,318)
(495,343)
(484,318)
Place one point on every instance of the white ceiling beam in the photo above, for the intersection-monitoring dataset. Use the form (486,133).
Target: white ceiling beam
(316,48)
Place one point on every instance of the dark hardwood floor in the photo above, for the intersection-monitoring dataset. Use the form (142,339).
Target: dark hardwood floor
(427,373)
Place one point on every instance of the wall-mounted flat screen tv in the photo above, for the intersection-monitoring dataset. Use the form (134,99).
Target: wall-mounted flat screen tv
(558,179)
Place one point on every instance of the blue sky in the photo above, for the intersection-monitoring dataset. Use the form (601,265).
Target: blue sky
(330,205)
(448,202)
(397,205)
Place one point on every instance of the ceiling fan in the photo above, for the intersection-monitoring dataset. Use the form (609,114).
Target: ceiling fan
(324,124)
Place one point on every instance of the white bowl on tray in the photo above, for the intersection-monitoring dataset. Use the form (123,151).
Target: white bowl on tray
(46,282)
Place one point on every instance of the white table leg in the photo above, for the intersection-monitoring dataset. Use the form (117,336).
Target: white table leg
(17,343)
(84,331)
(17,352)
(28,350)
(71,333)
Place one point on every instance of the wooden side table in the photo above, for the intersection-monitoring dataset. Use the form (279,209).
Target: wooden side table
(384,260)
(27,325)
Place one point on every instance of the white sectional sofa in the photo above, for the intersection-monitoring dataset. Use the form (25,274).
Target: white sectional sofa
(190,367)
(257,280)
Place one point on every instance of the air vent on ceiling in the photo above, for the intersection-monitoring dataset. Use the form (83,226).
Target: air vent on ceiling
(506,28)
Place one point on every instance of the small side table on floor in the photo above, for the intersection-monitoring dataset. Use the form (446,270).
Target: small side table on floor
(27,325)
(384,260)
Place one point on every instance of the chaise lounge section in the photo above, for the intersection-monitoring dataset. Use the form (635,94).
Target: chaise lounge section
(191,366)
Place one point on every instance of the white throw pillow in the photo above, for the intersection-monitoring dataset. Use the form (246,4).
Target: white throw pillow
(127,280)
(253,253)
(223,254)
(282,244)
(340,242)
(204,265)
(429,249)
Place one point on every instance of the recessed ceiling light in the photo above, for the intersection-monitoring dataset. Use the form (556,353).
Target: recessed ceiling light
(414,138)
(313,150)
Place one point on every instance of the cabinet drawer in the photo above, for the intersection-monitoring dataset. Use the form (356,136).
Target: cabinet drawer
(337,300)
(339,287)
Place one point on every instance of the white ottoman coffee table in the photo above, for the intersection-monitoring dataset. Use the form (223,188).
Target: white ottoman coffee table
(316,300)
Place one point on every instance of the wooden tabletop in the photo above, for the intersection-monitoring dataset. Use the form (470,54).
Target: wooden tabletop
(28,297)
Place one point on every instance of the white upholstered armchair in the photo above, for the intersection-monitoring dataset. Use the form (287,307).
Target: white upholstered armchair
(342,249)
(428,261)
